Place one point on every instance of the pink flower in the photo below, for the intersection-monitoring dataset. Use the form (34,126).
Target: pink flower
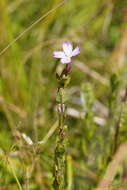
(67,53)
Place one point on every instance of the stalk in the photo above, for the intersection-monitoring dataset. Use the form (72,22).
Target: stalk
(122,120)
(60,150)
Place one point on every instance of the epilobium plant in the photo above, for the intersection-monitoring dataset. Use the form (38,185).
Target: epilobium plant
(63,80)
(67,53)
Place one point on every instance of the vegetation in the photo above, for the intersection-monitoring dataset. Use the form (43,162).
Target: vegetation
(93,150)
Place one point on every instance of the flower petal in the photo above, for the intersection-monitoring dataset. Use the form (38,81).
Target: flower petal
(76,51)
(70,47)
(58,54)
(67,48)
(65,60)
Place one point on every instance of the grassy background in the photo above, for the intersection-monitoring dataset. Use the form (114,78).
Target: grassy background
(28,90)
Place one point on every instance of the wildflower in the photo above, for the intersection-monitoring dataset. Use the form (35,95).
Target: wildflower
(67,53)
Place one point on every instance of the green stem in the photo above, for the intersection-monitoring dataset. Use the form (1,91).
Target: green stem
(14,174)
(118,124)
(59,170)
(60,150)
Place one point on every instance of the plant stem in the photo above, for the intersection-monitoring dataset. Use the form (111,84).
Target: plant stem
(14,174)
(117,129)
(59,170)
(60,150)
(116,136)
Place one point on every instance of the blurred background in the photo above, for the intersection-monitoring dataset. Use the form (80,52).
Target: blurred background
(28,118)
